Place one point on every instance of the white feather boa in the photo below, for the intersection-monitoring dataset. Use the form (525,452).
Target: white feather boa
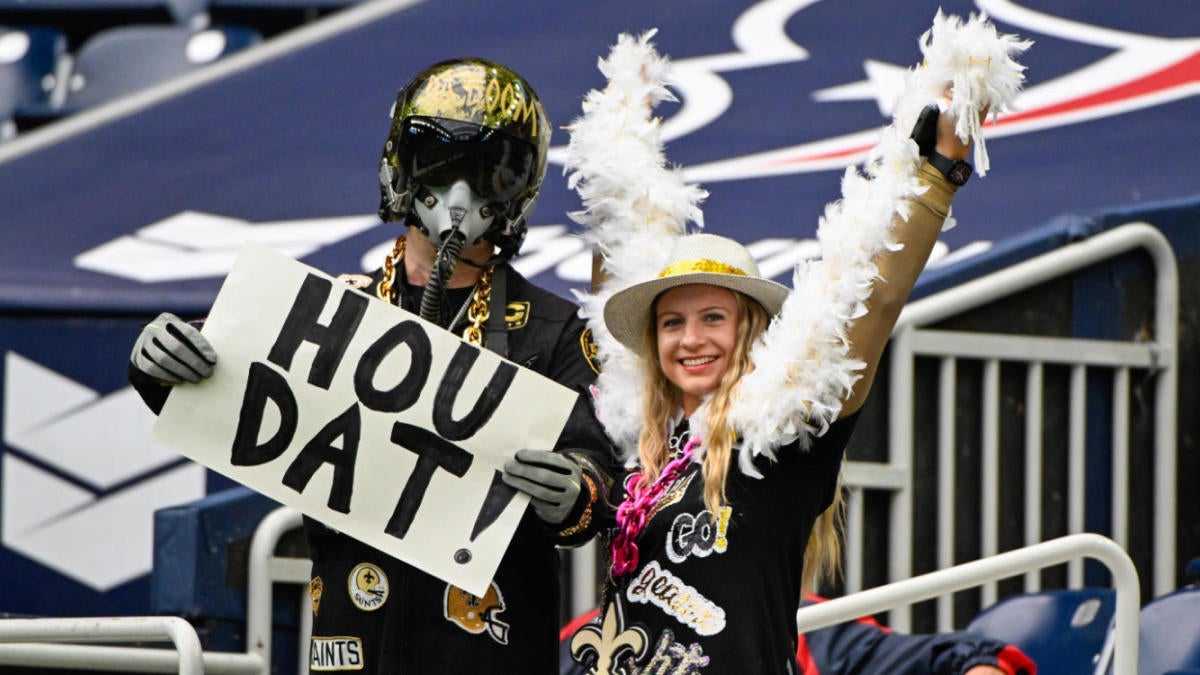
(634,206)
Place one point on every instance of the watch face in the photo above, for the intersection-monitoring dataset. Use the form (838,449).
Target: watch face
(959,173)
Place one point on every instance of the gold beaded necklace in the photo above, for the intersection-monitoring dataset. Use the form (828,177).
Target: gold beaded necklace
(477,312)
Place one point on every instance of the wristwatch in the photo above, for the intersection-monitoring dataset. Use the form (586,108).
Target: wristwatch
(957,171)
(924,133)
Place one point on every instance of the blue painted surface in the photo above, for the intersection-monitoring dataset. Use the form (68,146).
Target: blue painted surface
(298,137)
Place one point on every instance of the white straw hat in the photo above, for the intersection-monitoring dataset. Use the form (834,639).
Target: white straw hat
(695,259)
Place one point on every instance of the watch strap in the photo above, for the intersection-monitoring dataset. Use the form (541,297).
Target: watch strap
(957,171)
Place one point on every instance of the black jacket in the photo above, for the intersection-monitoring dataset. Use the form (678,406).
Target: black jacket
(418,627)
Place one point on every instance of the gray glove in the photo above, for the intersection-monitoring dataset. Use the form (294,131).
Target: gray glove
(551,480)
(171,350)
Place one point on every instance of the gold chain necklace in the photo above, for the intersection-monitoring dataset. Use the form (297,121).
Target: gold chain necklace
(386,289)
(478,311)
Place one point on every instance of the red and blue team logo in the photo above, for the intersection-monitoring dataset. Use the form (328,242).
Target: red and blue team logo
(1138,71)
(776,103)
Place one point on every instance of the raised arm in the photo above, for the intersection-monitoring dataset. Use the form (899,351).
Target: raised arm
(899,270)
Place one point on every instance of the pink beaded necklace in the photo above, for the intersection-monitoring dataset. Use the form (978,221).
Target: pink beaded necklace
(633,512)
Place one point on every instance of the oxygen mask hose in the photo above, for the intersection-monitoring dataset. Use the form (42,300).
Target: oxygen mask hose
(443,267)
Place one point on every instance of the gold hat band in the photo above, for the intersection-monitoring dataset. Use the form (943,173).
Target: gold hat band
(699,265)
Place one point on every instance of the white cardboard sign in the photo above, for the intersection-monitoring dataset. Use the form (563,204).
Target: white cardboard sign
(363,416)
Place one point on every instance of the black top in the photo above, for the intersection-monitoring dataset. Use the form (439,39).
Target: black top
(413,632)
(720,594)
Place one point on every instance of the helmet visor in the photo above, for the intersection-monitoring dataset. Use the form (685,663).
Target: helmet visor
(498,167)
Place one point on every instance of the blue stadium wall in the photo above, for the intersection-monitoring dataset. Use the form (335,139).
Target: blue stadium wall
(118,214)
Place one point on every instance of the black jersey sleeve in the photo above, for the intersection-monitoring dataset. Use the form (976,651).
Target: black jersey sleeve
(553,340)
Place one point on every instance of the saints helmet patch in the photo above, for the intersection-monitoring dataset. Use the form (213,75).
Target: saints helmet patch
(477,615)
(368,587)
(315,588)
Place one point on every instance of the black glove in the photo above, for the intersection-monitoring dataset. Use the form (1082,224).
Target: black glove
(171,350)
(924,132)
(551,480)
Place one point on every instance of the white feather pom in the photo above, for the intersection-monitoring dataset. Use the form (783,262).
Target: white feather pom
(634,207)
(803,370)
(979,64)
(615,159)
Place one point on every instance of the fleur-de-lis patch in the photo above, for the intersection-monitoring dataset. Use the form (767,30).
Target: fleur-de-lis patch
(609,641)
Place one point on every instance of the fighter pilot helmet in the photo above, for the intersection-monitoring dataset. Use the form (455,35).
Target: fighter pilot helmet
(469,119)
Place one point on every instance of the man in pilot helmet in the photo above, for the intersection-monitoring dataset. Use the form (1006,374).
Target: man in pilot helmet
(461,168)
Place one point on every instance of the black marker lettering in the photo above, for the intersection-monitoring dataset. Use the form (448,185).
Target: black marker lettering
(301,326)
(406,393)
(432,453)
(485,406)
(498,496)
(320,450)
(263,384)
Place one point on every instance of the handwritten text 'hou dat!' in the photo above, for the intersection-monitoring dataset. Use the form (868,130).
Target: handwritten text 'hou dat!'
(337,442)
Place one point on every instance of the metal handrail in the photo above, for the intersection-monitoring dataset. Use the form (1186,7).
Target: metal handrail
(1011,563)
(265,569)
(909,333)
(19,638)
(1128,237)
(187,657)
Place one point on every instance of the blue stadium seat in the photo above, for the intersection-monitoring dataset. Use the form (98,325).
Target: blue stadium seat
(1062,631)
(120,61)
(12,50)
(80,19)
(28,61)
(1169,634)
(1169,631)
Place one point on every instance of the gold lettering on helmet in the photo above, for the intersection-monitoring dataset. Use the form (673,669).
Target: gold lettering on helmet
(472,97)
(494,102)
(449,94)
(527,113)
(509,101)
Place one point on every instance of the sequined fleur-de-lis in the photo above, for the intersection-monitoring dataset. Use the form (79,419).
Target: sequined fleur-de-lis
(609,640)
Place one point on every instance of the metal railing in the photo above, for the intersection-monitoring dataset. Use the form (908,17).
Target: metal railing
(911,340)
(22,643)
(266,570)
(53,643)
(945,581)
(894,476)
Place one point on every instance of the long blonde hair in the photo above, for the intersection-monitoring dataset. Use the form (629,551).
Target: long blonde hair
(661,398)
(823,554)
